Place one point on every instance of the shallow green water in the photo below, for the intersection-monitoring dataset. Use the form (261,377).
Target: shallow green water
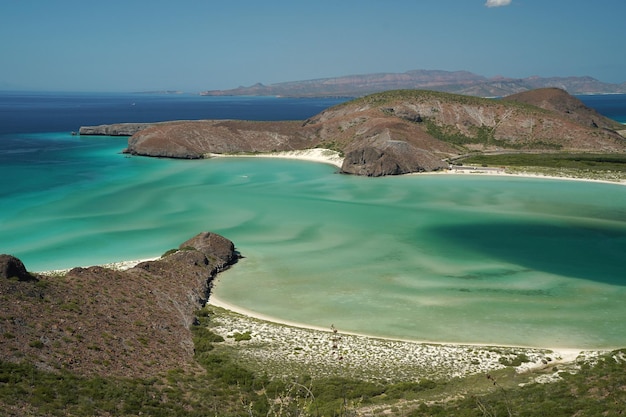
(442,258)
(455,259)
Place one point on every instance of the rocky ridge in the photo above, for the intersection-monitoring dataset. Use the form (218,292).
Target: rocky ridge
(195,139)
(572,108)
(117,129)
(458,82)
(399,132)
(101,321)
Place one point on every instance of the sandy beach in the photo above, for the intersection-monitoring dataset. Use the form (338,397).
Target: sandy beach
(324,156)
(297,348)
(327,156)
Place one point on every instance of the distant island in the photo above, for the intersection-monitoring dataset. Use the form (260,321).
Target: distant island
(458,82)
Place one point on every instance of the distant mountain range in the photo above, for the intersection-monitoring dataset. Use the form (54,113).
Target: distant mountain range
(459,82)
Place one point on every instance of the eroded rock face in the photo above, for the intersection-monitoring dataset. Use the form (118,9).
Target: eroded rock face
(11,268)
(392,158)
(214,246)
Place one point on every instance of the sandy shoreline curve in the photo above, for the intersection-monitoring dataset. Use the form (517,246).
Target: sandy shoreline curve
(321,155)
(565,354)
(328,156)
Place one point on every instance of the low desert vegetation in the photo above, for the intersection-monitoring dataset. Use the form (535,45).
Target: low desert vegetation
(584,161)
(221,386)
(609,167)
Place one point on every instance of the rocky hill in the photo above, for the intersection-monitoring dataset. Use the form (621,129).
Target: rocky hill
(402,131)
(459,82)
(100,321)
(554,100)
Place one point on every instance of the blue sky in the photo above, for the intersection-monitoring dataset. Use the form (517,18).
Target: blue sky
(137,45)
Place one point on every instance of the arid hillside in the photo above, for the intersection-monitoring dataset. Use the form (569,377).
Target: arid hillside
(402,131)
(555,100)
(100,321)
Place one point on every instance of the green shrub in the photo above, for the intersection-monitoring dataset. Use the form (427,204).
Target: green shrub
(36,344)
(169,252)
(203,333)
(239,337)
(516,361)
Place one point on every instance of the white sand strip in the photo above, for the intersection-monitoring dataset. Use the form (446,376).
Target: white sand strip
(214,301)
(325,156)
(503,173)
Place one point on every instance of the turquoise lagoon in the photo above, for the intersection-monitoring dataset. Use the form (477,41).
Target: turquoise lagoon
(443,258)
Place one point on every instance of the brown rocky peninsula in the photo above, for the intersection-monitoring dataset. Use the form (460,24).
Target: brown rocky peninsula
(395,132)
(101,321)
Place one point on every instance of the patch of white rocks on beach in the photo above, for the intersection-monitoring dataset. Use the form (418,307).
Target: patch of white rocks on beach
(290,351)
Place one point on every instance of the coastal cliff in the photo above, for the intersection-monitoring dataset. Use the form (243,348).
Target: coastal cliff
(399,132)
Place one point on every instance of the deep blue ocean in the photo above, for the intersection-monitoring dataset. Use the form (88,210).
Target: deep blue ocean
(31,112)
(499,260)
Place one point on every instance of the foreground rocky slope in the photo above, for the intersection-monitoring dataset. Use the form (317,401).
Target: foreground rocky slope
(100,321)
(403,131)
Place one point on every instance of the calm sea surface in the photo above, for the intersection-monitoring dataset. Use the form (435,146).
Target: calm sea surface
(492,260)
